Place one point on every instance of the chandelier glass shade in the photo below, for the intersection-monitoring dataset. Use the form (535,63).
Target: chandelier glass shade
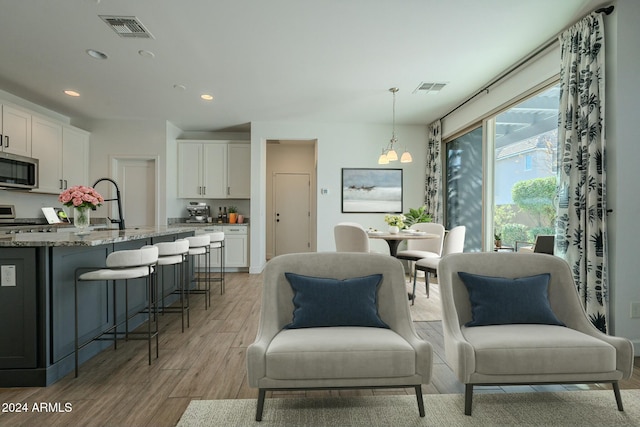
(389,153)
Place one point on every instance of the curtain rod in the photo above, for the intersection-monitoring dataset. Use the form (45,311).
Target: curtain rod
(606,10)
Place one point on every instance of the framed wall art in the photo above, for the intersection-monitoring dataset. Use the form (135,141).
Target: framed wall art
(371,190)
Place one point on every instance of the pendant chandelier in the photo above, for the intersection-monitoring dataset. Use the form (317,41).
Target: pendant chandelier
(389,153)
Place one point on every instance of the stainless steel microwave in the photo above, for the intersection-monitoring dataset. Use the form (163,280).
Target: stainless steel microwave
(18,171)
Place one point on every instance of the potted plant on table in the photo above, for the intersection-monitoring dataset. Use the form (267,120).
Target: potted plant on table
(415,216)
(497,240)
(396,222)
(233,214)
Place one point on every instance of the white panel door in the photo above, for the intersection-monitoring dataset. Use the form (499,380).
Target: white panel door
(292,214)
(136,180)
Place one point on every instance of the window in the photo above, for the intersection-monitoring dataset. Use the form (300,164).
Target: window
(513,193)
(528,161)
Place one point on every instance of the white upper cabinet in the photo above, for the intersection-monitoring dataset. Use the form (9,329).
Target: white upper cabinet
(189,170)
(63,152)
(213,169)
(202,170)
(239,171)
(75,156)
(16,131)
(46,146)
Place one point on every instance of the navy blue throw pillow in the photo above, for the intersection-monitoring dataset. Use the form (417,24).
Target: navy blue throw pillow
(503,301)
(322,302)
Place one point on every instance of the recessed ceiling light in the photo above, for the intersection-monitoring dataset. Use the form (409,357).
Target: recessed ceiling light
(206,97)
(96,54)
(179,87)
(146,53)
(71,93)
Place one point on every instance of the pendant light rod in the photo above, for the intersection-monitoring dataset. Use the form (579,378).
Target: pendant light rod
(393,90)
(389,154)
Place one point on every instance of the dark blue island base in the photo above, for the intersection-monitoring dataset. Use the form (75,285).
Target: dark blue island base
(37,314)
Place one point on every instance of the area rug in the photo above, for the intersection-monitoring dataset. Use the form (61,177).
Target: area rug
(566,408)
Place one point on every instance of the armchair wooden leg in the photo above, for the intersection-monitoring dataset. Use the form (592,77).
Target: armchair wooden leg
(420,400)
(616,392)
(260,406)
(468,398)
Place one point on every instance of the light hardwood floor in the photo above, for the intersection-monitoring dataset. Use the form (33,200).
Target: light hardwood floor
(118,388)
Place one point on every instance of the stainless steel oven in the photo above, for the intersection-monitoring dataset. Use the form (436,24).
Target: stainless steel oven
(18,171)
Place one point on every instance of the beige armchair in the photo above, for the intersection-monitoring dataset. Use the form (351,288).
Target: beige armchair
(338,356)
(525,353)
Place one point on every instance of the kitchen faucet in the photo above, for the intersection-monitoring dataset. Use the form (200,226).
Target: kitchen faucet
(120,221)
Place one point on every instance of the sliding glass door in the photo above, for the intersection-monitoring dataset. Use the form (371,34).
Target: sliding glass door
(464,187)
(525,165)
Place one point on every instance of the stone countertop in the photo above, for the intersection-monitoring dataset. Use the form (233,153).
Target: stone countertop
(94,238)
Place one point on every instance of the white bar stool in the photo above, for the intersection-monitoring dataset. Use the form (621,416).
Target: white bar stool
(122,265)
(217,244)
(174,253)
(199,248)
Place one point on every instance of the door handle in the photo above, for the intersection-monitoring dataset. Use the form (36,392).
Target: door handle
(204,190)
(6,139)
(61,187)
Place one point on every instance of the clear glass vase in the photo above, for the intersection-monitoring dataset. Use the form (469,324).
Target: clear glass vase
(82,219)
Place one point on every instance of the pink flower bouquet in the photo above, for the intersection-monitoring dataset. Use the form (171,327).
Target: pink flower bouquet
(80,196)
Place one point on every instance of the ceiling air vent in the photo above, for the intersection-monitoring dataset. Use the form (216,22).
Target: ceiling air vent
(127,26)
(429,87)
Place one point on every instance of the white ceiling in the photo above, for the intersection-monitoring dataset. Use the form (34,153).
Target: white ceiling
(269,60)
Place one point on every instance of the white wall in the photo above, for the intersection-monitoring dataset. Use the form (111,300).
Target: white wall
(339,145)
(112,138)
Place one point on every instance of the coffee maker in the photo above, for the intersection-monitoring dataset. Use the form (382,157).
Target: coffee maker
(198,212)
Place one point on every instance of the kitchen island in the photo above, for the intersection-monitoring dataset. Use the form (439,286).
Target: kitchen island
(37,298)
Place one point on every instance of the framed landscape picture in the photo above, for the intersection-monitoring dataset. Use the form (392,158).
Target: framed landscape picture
(371,190)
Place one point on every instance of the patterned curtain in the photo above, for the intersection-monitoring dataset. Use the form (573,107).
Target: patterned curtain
(433,175)
(581,234)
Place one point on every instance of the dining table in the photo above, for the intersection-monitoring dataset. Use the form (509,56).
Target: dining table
(394,239)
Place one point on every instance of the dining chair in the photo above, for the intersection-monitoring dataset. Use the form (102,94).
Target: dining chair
(423,248)
(351,237)
(453,243)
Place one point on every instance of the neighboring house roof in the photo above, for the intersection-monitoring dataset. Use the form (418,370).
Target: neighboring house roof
(517,148)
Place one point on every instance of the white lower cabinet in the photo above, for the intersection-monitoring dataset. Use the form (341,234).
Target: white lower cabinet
(236,251)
